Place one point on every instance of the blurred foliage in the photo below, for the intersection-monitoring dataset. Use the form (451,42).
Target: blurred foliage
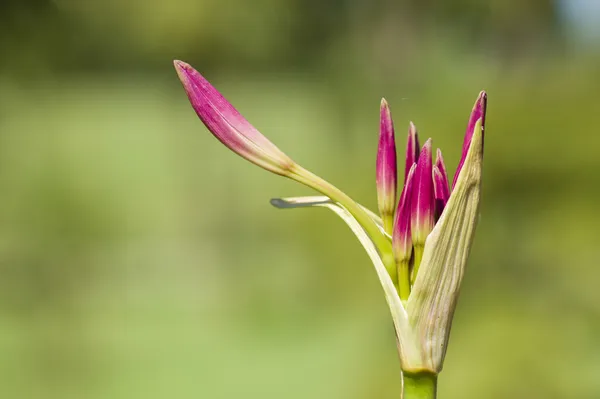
(140,259)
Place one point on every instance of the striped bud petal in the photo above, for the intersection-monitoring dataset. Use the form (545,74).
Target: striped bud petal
(227,125)
(439,163)
(387,174)
(422,202)
(440,184)
(478,113)
(412,149)
(441,191)
(401,239)
(422,206)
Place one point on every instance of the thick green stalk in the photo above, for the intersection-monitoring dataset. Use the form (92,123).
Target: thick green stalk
(419,386)
(381,241)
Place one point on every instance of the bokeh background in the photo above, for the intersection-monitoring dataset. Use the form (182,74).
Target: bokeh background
(140,259)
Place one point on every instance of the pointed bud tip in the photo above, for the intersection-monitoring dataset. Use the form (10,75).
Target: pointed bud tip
(427,145)
(181,67)
(479,110)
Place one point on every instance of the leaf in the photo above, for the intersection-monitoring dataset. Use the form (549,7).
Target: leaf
(399,314)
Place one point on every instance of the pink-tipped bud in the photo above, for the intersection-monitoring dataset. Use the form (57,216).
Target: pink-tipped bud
(412,149)
(228,125)
(387,174)
(423,202)
(401,238)
(478,113)
(440,184)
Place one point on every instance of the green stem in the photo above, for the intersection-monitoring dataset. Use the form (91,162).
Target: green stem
(381,241)
(404,279)
(419,386)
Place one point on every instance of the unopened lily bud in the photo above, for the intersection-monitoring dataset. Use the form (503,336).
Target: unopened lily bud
(477,114)
(440,184)
(387,174)
(228,125)
(422,203)
(412,149)
(439,163)
(442,193)
(401,238)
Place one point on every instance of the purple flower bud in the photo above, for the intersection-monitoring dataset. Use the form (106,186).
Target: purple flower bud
(422,202)
(440,184)
(227,125)
(439,162)
(401,238)
(387,174)
(412,149)
(441,191)
(477,113)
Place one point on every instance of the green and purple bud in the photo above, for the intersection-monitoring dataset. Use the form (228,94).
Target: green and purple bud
(412,149)
(422,205)
(402,244)
(478,113)
(386,169)
(228,125)
(237,134)
(422,202)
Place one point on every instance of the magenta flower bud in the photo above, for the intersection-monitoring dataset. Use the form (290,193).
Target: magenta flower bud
(401,238)
(477,113)
(387,174)
(422,202)
(440,184)
(441,191)
(439,163)
(228,125)
(412,149)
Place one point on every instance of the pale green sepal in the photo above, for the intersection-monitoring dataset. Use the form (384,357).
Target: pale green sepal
(409,353)
(433,299)
(316,200)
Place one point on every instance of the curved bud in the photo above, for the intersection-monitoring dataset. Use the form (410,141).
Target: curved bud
(228,125)
(412,148)
(478,113)
(387,174)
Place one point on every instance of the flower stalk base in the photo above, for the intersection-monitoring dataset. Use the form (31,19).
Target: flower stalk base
(419,386)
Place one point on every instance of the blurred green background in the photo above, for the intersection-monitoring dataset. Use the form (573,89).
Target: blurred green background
(139,258)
